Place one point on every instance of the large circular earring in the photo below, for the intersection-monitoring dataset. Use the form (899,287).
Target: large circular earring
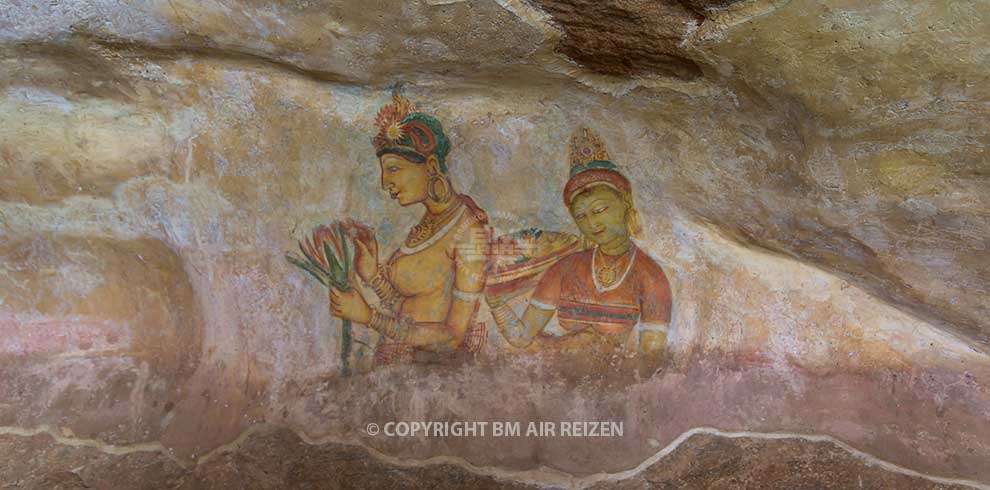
(633,224)
(438,188)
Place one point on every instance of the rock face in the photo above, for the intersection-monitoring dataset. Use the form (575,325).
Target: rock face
(810,175)
(278,459)
(889,151)
(101,335)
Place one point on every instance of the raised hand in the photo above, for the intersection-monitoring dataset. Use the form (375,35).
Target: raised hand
(365,249)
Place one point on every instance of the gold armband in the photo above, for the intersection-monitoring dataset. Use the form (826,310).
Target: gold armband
(386,292)
(465,296)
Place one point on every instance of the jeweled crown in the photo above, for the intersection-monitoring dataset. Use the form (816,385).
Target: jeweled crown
(585,149)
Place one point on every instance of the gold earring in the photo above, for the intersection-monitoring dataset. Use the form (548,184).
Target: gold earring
(633,224)
(438,188)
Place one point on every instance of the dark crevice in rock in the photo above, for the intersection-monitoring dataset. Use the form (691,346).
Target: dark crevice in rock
(208,50)
(626,38)
(706,7)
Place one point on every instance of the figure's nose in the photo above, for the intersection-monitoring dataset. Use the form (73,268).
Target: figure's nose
(595,224)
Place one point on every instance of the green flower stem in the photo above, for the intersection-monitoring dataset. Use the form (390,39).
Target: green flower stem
(336,277)
(345,348)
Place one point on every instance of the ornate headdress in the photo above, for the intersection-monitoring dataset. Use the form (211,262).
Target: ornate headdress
(406,131)
(591,165)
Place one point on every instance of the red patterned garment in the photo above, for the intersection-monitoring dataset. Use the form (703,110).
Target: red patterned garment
(642,296)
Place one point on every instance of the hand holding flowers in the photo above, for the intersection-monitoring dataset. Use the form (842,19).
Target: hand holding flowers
(349,305)
(329,258)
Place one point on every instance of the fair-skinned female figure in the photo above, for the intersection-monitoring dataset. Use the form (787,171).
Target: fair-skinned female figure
(430,288)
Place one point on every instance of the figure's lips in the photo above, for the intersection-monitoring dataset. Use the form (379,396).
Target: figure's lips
(599,232)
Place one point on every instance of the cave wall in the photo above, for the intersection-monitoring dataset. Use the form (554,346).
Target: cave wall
(816,195)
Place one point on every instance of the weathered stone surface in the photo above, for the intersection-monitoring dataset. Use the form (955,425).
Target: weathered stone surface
(810,174)
(278,459)
(38,462)
(97,336)
(705,461)
(333,40)
(878,411)
(890,185)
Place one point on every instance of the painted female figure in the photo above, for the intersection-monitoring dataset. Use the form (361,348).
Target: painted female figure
(604,294)
(429,290)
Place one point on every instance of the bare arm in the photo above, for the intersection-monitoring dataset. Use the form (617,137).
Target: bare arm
(653,338)
(655,304)
(519,332)
(436,336)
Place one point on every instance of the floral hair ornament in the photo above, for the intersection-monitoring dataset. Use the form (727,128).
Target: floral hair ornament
(591,165)
(406,131)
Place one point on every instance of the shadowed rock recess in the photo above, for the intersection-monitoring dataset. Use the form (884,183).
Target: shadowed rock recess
(627,38)
(811,177)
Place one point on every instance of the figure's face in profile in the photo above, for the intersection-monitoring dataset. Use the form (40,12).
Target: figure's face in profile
(600,214)
(404,180)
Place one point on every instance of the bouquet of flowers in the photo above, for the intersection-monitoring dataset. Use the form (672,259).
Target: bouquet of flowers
(328,256)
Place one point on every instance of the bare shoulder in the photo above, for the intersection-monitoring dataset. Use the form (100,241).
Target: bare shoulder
(472,236)
(471,229)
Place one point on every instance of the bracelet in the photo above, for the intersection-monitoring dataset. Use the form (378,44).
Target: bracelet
(390,326)
(541,305)
(387,294)
(465,296)
(513,328)
(653,327)
(503,314)
(494,301)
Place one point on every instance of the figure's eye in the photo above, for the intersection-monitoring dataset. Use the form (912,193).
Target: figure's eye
(600,210)
(393,169)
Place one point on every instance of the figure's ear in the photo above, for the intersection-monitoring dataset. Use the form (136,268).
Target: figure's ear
(633,224)
(628,200)
(433,165)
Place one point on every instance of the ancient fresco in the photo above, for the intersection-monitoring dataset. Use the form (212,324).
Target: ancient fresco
(608,296)
(708,223)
